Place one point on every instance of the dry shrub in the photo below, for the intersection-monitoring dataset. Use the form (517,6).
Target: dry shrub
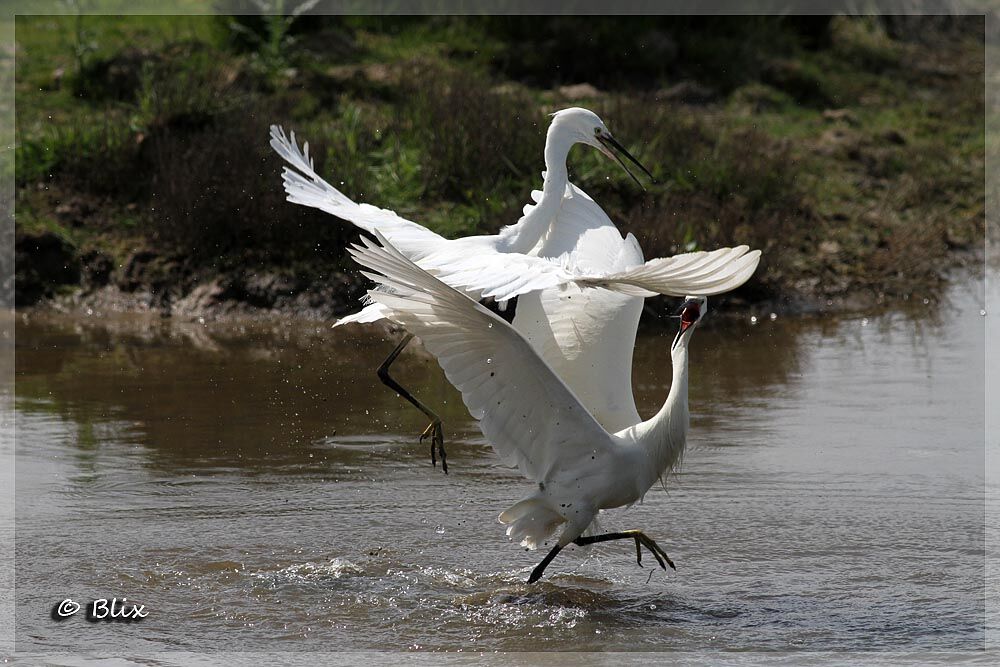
(475,137)
(907,255)
(216,193)
(717,187)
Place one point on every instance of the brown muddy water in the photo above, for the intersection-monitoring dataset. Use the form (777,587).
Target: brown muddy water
(257,489)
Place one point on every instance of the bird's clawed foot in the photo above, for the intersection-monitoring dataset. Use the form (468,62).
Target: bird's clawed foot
(433,430)
(436,435)
(643,540)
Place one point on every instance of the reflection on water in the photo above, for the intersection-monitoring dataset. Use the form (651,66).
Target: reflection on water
(256,483)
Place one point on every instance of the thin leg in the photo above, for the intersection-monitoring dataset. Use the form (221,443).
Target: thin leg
(433,430)
(536,574)
(641,540)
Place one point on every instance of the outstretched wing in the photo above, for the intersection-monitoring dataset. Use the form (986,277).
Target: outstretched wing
(304,186)
(583,247)
(688,274)
(529,415)
(506,275)
(483,272)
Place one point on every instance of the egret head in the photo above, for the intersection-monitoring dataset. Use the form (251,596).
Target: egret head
(691,312)
(585,127)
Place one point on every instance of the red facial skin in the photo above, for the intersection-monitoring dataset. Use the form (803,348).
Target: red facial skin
(689,316)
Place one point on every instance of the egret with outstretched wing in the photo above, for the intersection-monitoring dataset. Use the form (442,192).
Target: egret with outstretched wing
(430,250)
(530,416)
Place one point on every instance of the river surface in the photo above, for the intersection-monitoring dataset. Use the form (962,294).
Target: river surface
(257,489)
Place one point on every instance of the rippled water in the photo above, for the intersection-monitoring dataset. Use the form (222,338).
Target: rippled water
(257,489)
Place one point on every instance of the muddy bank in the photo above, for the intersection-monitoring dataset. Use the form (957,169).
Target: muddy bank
(52,276)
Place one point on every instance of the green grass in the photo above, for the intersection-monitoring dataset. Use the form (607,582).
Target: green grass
(822,132)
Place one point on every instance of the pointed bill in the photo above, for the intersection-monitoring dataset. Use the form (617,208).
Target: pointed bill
(611,148)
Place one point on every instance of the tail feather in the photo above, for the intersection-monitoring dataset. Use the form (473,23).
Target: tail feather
(531,521)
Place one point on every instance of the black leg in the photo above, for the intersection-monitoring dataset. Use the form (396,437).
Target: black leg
(434,430)
(641,540)
(536,574)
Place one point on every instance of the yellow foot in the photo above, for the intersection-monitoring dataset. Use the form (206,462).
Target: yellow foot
(436,435)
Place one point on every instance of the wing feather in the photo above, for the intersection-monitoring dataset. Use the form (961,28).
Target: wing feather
(373,312)
(717,272)
(506,275)
(304,186)
(532,419)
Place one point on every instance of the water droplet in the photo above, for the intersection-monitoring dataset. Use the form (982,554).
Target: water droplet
(864,321)
(489,361)
(439,529)
(774,316)
(489,326)
(926,301)
(753,319)
(982,312)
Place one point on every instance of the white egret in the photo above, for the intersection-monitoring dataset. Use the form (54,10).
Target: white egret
(568,127)
(584,339)
(530,416)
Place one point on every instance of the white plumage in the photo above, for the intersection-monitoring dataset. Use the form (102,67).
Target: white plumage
(529,415)
(562,244)
(498,265)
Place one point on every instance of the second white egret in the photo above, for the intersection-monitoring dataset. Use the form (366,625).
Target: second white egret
(531,417)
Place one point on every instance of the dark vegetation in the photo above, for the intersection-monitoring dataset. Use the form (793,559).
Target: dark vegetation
(849,149)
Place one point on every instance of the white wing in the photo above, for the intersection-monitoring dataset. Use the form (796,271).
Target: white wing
(304,186)
(506,275)
(503,276)
(529,415)
(688,274)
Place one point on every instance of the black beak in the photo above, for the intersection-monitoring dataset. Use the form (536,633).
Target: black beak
(614,148)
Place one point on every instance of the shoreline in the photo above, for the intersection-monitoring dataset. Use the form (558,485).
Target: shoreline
(226,300)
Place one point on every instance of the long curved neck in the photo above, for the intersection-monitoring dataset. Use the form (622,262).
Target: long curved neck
(665,434)
(558,141)
(528,231)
